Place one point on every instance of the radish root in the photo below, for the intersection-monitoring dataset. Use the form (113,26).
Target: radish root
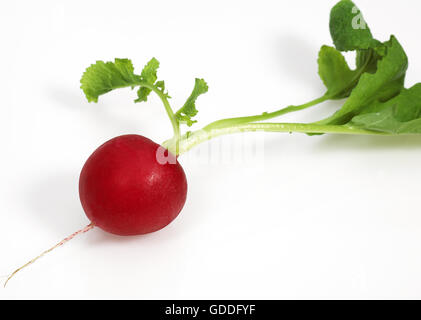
(85,229)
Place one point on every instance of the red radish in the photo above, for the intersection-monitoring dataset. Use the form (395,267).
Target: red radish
(124,189)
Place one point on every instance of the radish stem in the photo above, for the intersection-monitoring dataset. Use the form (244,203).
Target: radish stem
(193,139)
(265,116)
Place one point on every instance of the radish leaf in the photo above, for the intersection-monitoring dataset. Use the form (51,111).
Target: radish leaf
(401,114)
(335,73)
(382,85)
(102,77)
(348,28)
(148,75)
(188,111)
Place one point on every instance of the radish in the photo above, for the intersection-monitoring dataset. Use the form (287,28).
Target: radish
(125,190)
(131,185)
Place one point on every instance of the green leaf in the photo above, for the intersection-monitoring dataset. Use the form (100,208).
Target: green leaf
(382,85)
(148,75)
(335,73)
(188,111)
(348,28)
(149,72)
(142,94)
(102,77)
(349,31)
(368,59)
(160,85)
(401,114)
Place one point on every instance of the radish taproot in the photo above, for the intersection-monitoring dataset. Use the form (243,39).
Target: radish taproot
(126,188)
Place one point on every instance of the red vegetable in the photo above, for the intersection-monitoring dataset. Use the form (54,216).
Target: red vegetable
(125,191)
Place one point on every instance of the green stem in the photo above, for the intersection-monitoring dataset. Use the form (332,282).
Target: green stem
(191,140)
(168,109)
(265,116)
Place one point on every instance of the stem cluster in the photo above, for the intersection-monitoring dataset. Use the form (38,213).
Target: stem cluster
(254,123)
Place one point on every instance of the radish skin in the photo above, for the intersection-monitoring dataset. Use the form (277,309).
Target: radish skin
(126,191)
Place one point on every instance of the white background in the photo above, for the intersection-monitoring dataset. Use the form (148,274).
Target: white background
(320,217)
